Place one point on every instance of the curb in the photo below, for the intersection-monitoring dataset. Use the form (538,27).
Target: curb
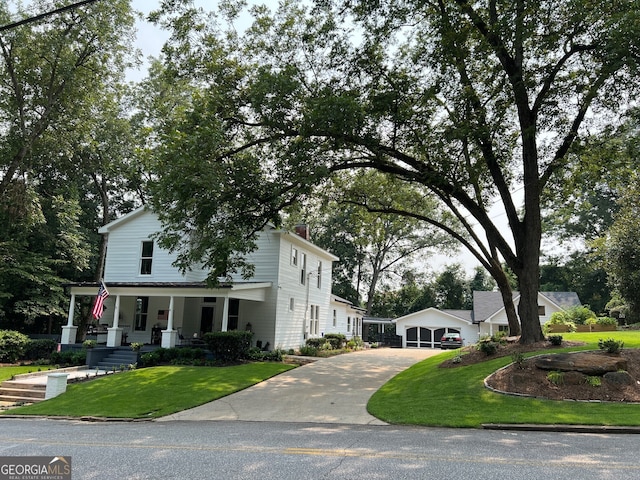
(561,428)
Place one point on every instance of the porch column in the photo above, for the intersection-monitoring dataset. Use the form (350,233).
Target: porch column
(225,314)
(169,335)
(69,331)
(114,334)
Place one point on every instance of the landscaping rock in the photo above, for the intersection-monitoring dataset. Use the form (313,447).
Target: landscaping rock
(583,362)
(619,378)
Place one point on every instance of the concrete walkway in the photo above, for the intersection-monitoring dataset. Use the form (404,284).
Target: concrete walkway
(330,390)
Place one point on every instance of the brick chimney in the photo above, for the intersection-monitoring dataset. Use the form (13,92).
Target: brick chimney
(302,230)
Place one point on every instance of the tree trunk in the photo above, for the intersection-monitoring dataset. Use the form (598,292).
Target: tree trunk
(507,299)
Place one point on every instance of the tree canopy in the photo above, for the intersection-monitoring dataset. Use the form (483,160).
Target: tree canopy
(471,100)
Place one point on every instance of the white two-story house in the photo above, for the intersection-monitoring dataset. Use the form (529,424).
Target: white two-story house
(150,301)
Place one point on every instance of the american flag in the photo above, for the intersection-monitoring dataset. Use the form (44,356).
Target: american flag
(103,293)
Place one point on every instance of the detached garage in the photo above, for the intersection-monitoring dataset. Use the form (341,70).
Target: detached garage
(425,328)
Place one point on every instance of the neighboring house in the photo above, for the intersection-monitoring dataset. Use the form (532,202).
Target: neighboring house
(425,328)
(287,300)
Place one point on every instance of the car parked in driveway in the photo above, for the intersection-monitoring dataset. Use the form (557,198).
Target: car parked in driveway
(451,340)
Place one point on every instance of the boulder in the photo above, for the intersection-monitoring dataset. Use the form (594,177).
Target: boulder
(583,362)
(619,378)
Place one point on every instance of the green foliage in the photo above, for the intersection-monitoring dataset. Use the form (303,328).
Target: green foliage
(89,343)
(593,381)
(173,356)
(317,342)
(12,345)
(308,351)
(69,358)
(518,359)
(555,377)
(555,340)
(229,346)
(40,349)
(606,321)
(487,345)
(257,355)
(136,346)
(560,318)
(432,104)
(610,345)
(336,340)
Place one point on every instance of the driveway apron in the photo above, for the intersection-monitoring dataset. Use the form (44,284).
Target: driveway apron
(330,390)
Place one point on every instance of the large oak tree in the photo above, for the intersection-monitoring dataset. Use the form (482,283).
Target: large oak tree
(472,100)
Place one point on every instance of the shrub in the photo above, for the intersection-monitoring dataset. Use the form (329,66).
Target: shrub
(518,359)
(580,315)
(257,355)
(555,339)
(229,346)
(150,359)
(487,345)
(337,340)
(499,337)
(89,343)
(12,345)
(308,351)
(555,377)
(593,381)
(40,349)
(606,321)
(69,358)
(559,318)
(316,342)
(610,345)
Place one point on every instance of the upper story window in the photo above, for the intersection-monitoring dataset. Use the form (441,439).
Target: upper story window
(541,311)
(319,274)
(146,258)
(303,268)
(294,256)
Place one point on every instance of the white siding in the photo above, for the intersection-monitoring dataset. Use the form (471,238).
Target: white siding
(124,251)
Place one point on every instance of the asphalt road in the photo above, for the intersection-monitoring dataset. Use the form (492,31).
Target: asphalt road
(275,450)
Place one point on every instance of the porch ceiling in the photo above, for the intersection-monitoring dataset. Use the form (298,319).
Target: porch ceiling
(255,291)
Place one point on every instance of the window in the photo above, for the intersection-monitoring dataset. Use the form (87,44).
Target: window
(292,304)
(319,275)
(142,309)
(146,258)
(317,312)
(348,324)
(303,268)
(234,314)
(312,311)
(294,256)
(335,318)
(503,328)
(541,311)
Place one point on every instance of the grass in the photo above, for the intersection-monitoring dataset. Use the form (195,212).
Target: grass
(152,392)
(7,373)
(456,397)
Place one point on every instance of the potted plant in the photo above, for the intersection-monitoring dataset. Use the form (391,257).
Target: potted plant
(136,346)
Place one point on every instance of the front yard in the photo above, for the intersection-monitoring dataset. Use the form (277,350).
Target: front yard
(456,397)
(152,392)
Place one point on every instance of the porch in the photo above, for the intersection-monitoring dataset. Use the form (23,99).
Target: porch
(171,314)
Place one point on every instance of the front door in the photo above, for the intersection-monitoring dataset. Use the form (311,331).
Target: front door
(206,320)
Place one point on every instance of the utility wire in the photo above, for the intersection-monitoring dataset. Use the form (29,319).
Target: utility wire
(44,15)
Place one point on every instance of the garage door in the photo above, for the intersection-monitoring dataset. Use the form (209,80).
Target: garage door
(426,337)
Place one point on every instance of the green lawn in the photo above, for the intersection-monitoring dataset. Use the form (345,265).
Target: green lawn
(152,392)
(455,397)
(6,373)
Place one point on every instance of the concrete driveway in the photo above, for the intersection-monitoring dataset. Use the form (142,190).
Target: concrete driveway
(330,390)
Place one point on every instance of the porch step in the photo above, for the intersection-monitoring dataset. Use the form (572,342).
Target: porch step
(14,392)
(118,358)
